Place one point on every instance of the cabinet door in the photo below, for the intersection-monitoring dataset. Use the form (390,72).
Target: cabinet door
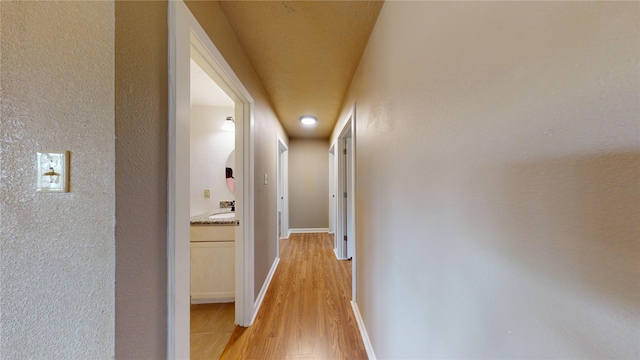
(212,271)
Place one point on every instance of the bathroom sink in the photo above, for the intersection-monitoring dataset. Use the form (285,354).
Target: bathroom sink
(223,216)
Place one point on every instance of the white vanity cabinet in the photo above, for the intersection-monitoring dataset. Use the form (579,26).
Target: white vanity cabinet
(212,263)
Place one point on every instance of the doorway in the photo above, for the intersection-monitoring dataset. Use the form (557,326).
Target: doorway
(345,203)
(332,194)
(342,161)
(212,255)
(188,40)
(345,195)
(282,189)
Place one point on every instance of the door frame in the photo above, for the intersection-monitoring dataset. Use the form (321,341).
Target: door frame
(344,192)
(282,182)
(347,132)
(332,193)
(187,39)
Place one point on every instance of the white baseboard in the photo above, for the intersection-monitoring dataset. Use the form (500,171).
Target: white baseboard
(214,300)
(264,289)
(308,230)
(335,251)
(363,332)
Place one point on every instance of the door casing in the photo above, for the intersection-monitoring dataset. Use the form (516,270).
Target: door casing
(187,39)
(282,192)
(345,181)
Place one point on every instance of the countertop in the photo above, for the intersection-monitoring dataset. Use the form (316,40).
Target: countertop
(203,219)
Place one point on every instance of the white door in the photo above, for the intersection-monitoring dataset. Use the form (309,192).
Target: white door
(349,200)
(282,217)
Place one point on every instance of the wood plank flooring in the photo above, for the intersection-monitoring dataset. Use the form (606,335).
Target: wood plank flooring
(306,313)
(211,329)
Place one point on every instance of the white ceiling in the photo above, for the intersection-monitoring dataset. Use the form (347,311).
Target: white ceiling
(205,92)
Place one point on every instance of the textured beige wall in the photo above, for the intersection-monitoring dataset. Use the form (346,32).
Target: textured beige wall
(498,159)
(57,258)
(308,184)
(141,186)
(266,128)
(59,94)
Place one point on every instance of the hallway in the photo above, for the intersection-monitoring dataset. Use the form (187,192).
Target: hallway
(306,313)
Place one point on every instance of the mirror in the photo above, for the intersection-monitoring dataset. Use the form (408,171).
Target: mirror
(231,164)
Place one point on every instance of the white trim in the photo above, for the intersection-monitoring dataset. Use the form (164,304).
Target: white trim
(333,201)
(212,298)
(363,332)
(282,183)
(308,230)
(335,251)
(354,237)
(187,39)
(332,190)
(231,84)
(178,279)
(341,169)
(347,132)
(264,289)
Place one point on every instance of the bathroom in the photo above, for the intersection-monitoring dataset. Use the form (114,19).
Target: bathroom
(212,205)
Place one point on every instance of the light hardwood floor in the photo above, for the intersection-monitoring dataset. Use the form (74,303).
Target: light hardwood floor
(211,328)
(306,313)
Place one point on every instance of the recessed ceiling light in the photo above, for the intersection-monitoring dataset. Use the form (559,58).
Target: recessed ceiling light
(308,120)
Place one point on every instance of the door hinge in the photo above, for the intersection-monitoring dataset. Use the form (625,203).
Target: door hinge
(345,238)
(344,151)
(345,194)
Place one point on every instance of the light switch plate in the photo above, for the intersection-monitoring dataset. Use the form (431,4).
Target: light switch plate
(207,193)
(265,179)
(52,171)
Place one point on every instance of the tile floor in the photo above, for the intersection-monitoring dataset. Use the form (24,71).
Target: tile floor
(211,328)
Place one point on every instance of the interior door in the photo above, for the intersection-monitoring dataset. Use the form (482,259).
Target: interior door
(349,202)
(345,197)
